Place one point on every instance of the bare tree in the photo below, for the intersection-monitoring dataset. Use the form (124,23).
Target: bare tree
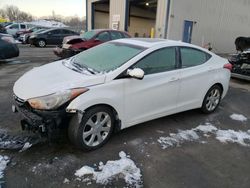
(2,13)
(14,14)
(23,16)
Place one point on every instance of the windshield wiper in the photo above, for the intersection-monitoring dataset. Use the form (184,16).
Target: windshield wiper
(81,67)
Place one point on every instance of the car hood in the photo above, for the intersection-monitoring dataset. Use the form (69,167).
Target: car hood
(69,38)
(51,78)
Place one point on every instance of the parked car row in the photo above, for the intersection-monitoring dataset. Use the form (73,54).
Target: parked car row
(73,45)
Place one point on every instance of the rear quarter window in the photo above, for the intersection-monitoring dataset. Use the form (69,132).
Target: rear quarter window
(192,57)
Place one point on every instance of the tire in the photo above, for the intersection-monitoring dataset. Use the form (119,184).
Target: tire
(41,43)
(212,99)
(88,134)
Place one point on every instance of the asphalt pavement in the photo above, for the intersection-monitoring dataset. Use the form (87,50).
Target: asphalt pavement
(192,164)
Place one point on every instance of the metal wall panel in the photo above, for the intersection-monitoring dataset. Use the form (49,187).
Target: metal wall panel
(89,13)
(118,7)
(216,21)
(161,21)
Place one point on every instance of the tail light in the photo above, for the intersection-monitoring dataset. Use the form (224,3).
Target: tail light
(228,66)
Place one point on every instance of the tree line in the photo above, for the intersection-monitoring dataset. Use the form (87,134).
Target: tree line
(12,13)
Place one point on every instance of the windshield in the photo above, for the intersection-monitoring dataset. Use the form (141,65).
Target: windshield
(107,57)
(88,35)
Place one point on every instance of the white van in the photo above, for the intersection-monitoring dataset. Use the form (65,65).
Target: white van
(12,29)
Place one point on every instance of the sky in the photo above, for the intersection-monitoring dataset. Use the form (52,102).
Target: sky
(45,7)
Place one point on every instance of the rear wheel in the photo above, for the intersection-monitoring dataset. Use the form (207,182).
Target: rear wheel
(212,99)
(93,130)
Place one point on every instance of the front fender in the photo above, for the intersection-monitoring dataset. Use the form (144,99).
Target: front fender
(110,94)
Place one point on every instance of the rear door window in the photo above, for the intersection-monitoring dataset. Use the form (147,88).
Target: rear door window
(115,35)
(104,36)
(192,57)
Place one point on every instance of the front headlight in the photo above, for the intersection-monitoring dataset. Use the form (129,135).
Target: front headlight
(53,101)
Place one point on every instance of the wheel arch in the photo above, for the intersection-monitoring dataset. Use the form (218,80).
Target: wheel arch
(114,110)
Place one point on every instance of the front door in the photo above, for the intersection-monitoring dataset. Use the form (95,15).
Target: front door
(156,94)
(187,31)
(54,37)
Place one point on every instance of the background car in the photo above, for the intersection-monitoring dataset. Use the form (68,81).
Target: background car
(31,30)
(24,38)
(13,28)
(50,37)
(76,44)
(241,65)
(8,47)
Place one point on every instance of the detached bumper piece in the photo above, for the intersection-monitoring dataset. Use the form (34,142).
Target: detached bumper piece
(65,53)
(44,122)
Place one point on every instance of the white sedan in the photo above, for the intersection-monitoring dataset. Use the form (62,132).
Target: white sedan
(119,84)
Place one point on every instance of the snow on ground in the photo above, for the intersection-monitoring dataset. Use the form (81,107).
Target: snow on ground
(195,134)
(4,160)
(225,136)
(123,168)
(26,146)
(238,117)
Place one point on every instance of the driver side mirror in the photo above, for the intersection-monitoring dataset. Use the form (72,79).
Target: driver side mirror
(136,73)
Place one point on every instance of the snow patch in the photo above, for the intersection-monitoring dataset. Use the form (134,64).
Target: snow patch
(224,136)
(123,168)
(175,139)
(66,180)
(26,146)
(4,160)
(238,117)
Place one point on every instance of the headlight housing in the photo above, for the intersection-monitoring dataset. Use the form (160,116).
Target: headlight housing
(53,101)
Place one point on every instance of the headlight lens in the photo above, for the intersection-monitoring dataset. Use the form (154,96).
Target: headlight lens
(53,101)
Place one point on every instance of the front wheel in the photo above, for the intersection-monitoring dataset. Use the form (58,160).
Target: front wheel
(212,99)
(93,130)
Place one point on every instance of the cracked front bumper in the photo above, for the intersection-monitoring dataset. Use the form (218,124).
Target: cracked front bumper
(39,120)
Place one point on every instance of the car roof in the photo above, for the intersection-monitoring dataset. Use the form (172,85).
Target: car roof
(58,28)
(152,42)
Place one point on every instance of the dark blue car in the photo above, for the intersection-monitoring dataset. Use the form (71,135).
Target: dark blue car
(8,47)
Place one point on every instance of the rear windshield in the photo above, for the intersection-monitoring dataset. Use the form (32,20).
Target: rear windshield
(107,56)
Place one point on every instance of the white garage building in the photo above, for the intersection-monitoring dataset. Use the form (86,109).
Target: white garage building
(199,22)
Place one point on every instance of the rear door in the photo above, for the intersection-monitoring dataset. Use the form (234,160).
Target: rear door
(196,74)
(156,94)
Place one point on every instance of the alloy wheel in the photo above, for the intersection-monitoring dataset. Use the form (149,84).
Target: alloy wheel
(41,43)
(96,129)
(213,99)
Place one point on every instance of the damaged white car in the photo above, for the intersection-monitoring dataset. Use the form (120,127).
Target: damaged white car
(119,84)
